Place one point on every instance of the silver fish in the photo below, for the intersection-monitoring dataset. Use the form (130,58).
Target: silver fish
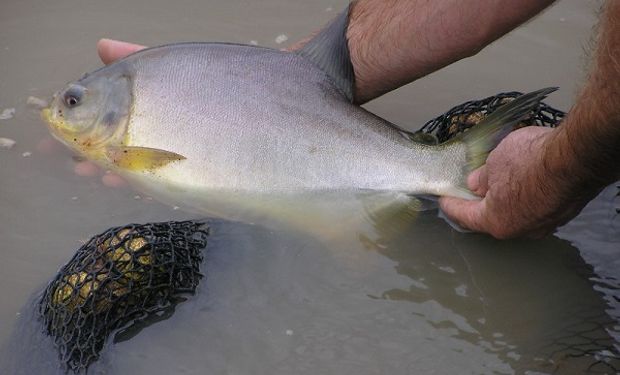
(239,131)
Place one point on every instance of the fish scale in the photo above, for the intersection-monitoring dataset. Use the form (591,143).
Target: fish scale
(276,132)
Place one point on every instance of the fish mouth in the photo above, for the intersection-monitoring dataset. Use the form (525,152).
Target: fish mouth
(47,117)
(57,127)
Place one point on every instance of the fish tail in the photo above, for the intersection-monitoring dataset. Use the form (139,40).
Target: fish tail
(481,139)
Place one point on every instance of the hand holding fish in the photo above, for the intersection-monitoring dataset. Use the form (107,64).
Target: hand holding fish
(499,213)
(536,179)
(520,198)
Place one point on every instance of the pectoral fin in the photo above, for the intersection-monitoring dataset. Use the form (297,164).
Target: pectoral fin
(140,158)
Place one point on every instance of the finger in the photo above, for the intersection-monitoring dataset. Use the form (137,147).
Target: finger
(111,50)
(478,181)
(85,169)
(466,213)
(47,145)
(113,180)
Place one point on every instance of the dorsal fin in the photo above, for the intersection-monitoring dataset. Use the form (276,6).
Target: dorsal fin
(329,50)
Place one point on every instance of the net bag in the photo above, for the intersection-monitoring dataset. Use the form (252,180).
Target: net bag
(118,278)
(468,114)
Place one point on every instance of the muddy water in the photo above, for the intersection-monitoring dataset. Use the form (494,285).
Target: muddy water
(431,300)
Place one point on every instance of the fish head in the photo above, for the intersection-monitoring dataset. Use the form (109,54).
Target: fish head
(92,116)
(91,113)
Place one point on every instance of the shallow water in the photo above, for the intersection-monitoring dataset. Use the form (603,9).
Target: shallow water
(431,300)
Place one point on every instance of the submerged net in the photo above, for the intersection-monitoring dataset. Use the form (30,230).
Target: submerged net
(120,278)
(470,113)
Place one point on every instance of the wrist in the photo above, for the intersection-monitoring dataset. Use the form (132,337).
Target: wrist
(549,193)
(585,149)
(567,171)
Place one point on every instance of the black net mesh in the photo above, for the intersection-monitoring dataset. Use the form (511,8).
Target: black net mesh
(122,276)
(585,343)
(472,112)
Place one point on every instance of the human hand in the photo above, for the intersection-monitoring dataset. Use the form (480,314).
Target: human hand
(519,197)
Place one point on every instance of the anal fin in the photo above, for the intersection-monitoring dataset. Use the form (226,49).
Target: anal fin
(392,214)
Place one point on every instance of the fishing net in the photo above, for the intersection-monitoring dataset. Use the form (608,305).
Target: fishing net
(118,280)
(585,342)
(470,113)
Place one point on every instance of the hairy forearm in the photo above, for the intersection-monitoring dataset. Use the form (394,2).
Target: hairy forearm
(585,151)
(394,42)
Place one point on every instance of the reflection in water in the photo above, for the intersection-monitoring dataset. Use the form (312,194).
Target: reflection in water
(531,302)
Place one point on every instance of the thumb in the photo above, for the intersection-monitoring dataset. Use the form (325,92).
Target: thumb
(110,50)
(468,214)
(478,181)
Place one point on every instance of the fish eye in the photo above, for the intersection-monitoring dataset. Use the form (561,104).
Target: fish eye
(73,96)
(71,100)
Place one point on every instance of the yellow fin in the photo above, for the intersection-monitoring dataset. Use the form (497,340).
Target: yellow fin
(140,158)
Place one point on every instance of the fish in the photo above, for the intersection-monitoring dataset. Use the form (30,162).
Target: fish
(243,132)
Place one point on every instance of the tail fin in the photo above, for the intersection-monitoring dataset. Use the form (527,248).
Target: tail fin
(483,137)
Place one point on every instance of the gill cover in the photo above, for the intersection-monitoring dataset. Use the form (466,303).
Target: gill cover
(91,112)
